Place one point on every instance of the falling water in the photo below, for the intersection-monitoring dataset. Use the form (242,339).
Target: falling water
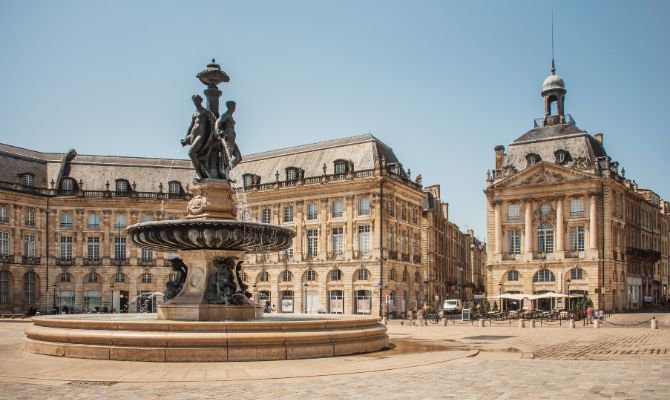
(241,194)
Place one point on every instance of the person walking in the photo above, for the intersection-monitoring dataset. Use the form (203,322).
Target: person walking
(419,316)
(589,315)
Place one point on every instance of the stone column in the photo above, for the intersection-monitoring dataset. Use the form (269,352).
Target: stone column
(349,228)
(593,238)
(498,229)
(559,226)
(528,229)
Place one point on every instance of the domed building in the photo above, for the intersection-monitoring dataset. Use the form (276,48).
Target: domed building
(563,219)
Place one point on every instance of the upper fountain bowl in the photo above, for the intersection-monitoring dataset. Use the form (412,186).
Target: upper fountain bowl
(209,234)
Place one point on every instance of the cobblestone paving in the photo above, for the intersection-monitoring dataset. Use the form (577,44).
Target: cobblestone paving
(651,346)
(475,378)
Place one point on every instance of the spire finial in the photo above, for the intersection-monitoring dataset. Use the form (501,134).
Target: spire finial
(553,65)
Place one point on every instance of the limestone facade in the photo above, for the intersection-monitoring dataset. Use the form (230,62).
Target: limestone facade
(562,216)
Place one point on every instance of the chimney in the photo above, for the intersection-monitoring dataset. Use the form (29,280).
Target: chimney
(445,211)
(500,155)
(599,137)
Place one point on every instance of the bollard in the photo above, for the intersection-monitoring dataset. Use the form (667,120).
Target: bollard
(385,321)
(481,323)
(521,324)
(596,323)
(532,323)
(654,323)
(444,321)
(571,325)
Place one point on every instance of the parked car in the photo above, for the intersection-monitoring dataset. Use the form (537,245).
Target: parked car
(452,306)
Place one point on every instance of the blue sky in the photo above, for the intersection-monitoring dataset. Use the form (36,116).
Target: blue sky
(440,82)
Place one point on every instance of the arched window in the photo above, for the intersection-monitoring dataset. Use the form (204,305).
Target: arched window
(146,277)
(65,277)
(392,274)
(544,275)
(335,275)
(122,185)
(513,275)
(92,278)
(119,277)
(27,179)
(362,274)
(4,287)
(577,273)
(286,276)
(30,287)
(532,158)
(310,276)
(264,276)
(67,185)
(545,238)
(292,173)
(341,166)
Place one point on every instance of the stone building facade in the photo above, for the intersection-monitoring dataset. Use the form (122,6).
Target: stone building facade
(62,229)
(368,236)
(562,216)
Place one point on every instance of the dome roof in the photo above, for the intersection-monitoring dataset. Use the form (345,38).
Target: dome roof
(553,82)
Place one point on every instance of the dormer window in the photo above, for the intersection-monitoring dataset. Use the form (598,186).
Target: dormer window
(292,173)
(122,185)
(67,184)
(27,179)
(532,158)
(341,167)
(248,180)
(174,187)
(562,157)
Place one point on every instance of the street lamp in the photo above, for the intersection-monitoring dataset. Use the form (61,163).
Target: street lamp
(568,281)
(304,304)
(111,290)
(500,291)
(55,306)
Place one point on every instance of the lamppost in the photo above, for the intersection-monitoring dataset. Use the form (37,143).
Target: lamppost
(304,304)
(55,306)
(111,302)
(568,281)
(500,291)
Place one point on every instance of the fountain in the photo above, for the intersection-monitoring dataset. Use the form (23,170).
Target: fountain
(208,314)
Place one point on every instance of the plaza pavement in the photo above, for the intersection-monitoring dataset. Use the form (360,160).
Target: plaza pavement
(623,361)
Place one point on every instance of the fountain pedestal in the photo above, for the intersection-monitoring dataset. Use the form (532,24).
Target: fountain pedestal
(192,305)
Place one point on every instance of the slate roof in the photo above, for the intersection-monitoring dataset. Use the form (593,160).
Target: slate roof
(361,150)
(545,132)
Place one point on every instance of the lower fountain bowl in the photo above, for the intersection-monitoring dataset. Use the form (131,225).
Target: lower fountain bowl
(139,337)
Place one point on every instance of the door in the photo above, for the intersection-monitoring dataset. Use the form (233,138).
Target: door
(312,302)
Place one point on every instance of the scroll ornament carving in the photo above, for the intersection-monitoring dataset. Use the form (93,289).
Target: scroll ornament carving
(543,176)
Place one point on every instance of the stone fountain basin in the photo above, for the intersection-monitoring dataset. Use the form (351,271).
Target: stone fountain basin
(208,234)
(143,339)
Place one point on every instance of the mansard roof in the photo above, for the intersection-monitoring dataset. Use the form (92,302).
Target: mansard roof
(362,150)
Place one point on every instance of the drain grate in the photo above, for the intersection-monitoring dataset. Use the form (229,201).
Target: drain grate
(92,383)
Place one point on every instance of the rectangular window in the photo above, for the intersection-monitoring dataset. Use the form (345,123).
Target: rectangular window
(288,214)
(576,238)
(364,239)
(403,242)
(29,218)
(338,241)
(415,218)
(93,220)
(338,209)
(340,168)
(120,221)
(391,239)
(312,242)
(514,241)
(4,215)
(66,219)
(312,211)
(29,247)
(403,212)
(4,243)
(93,248)
(147,218)
(577,208)
(364,206)
(291,174)
(147,255)
(119,248)
(267,215)
(513,212)
(390,206)
(66,248)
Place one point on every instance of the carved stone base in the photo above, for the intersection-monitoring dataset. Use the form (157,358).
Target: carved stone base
(191,305)
(212,199)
